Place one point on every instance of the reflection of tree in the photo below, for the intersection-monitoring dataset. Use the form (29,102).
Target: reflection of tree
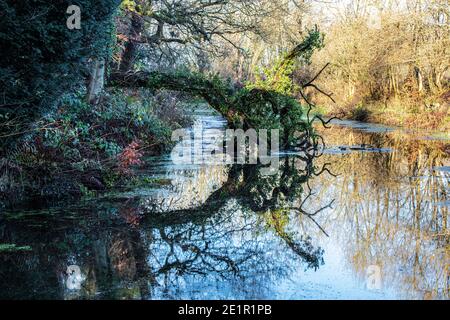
(224,247)
(228,242)
(272,197)
(109,252)
(392,209)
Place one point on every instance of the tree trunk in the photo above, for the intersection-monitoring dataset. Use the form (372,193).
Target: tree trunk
(351,89)
(96,81)
(438,76)
(130,51)
(419,78)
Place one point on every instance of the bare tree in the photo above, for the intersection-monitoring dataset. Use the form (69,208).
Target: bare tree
(168,25)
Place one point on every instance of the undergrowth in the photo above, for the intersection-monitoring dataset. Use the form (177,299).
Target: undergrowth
(80,148)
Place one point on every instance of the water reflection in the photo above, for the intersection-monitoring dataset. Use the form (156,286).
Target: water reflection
(209,232)
(222,232)
(236,245)
(391,209)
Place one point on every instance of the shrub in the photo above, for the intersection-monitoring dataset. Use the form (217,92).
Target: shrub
(41,58)
(81,147)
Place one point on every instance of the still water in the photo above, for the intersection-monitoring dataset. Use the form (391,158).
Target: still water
(366,220)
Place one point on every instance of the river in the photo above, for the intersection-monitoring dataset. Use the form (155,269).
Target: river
(366,220)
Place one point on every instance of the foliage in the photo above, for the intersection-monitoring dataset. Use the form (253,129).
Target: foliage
(62,136)
(130,156)
(278,76)
(81,148)
(42,58)
(8,248)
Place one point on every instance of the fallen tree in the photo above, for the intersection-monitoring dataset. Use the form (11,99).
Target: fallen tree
(267,104)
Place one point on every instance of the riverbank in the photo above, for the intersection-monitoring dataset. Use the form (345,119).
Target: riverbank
(400,112)
(81,149)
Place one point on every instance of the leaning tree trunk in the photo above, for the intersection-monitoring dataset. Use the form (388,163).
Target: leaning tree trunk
(257,108)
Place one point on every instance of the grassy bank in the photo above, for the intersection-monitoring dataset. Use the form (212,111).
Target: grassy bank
(409,113)
(80,149)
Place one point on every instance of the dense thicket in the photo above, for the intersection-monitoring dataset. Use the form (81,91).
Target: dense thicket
(42,58)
